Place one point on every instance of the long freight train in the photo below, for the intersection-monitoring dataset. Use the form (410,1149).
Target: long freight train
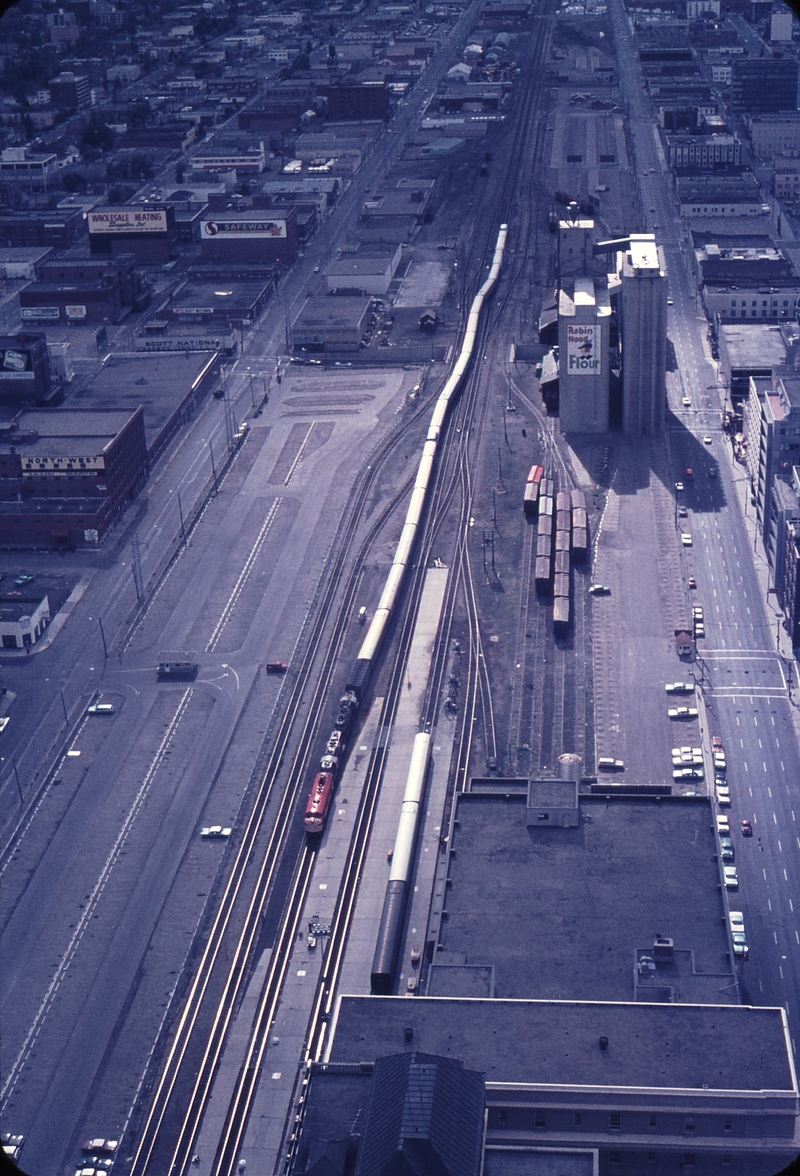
(324,784)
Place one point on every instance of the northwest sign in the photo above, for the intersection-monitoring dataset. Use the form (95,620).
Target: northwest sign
(583,350)
(128,220)
(214,230)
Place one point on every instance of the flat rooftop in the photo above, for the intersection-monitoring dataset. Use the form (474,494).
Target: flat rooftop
(64,433)
(587,899)
(755,345)
(656,1046)
(160,383)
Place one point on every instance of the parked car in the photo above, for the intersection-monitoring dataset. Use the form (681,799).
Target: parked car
(691,582)
(100,708)
(215,831)
(679,485)
(686,539)
(100,1147)
(726,849)
(12,1145)
(679,687)
(599,590)
(608,764)
(740,948)
(682,712)
(723,825)
(736,920)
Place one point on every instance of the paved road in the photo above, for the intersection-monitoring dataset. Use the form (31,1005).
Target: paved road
(744,678)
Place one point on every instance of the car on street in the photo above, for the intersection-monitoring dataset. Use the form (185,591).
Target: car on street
(670,302)
(707,440)
(12,1145)
(686,402)
(100,708)
(215,831)
(689,474)
(723,825)
(691,582)
(716,743)
(608,764)
(730,877)
(23,578)
(726,849)
(682,712)
(683,512)
(679,687)
(712,473)
(99,1147)
(740,948)
(747,828)
(723,797)
(687,774)
(736,920)
(679,485)
(686,539)
(599,590)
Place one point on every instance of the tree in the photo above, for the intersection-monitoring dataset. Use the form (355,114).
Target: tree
(96,135)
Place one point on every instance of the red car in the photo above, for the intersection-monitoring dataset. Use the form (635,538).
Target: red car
(747,828)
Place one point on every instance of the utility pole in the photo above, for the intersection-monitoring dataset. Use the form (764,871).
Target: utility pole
(64,705)
(180,512)
(103,636)
(16,776)
(213,469)
(138,579)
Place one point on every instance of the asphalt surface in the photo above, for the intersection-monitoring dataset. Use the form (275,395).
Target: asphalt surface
(745,681)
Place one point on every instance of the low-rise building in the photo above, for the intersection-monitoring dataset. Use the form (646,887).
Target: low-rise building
(24,168)
(23,619)
(725,302)
(145,230)
(20,264)
(255,234)
(703,151)
(746,351)
(361,275)
(24,369)
(246,159)
(786,179)
(66,476)
(330,324)
(774,134)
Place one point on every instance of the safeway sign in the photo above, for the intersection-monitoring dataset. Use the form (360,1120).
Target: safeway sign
(583,350)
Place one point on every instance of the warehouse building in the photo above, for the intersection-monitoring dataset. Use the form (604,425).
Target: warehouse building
(66,476)
(256,234)
(147,231)
(362,275)
(330,324)
(24,369)
(168,387)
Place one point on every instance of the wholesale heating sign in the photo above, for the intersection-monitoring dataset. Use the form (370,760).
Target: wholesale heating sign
(128,220)
(213,230)
(583,350)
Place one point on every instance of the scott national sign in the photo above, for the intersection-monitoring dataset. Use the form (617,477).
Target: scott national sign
(583,351)
(216,229)
(128,220)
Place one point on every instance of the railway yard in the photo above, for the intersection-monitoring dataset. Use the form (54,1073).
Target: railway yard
(399,602)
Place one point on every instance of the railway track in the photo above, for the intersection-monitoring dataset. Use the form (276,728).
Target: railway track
(166,1135)
(453,478)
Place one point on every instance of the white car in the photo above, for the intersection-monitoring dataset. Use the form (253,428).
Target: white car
(12,1145)
(599,590)
(682,712)
(736,919)
(723,797)
(679,485)
(723,824)
(686,539)
(687,774)
(679,687)
(719,761)
(740,948)
(707,440)
(608,764)
(100,708)
(215,831)
(686,402)
(730,877)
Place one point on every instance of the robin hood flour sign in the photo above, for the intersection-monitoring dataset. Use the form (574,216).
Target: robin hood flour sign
(583,350)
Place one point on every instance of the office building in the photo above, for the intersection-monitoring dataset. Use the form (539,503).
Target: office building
(765,84)
(772,428)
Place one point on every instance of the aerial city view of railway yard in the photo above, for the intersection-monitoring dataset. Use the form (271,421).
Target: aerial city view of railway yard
(399,587)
